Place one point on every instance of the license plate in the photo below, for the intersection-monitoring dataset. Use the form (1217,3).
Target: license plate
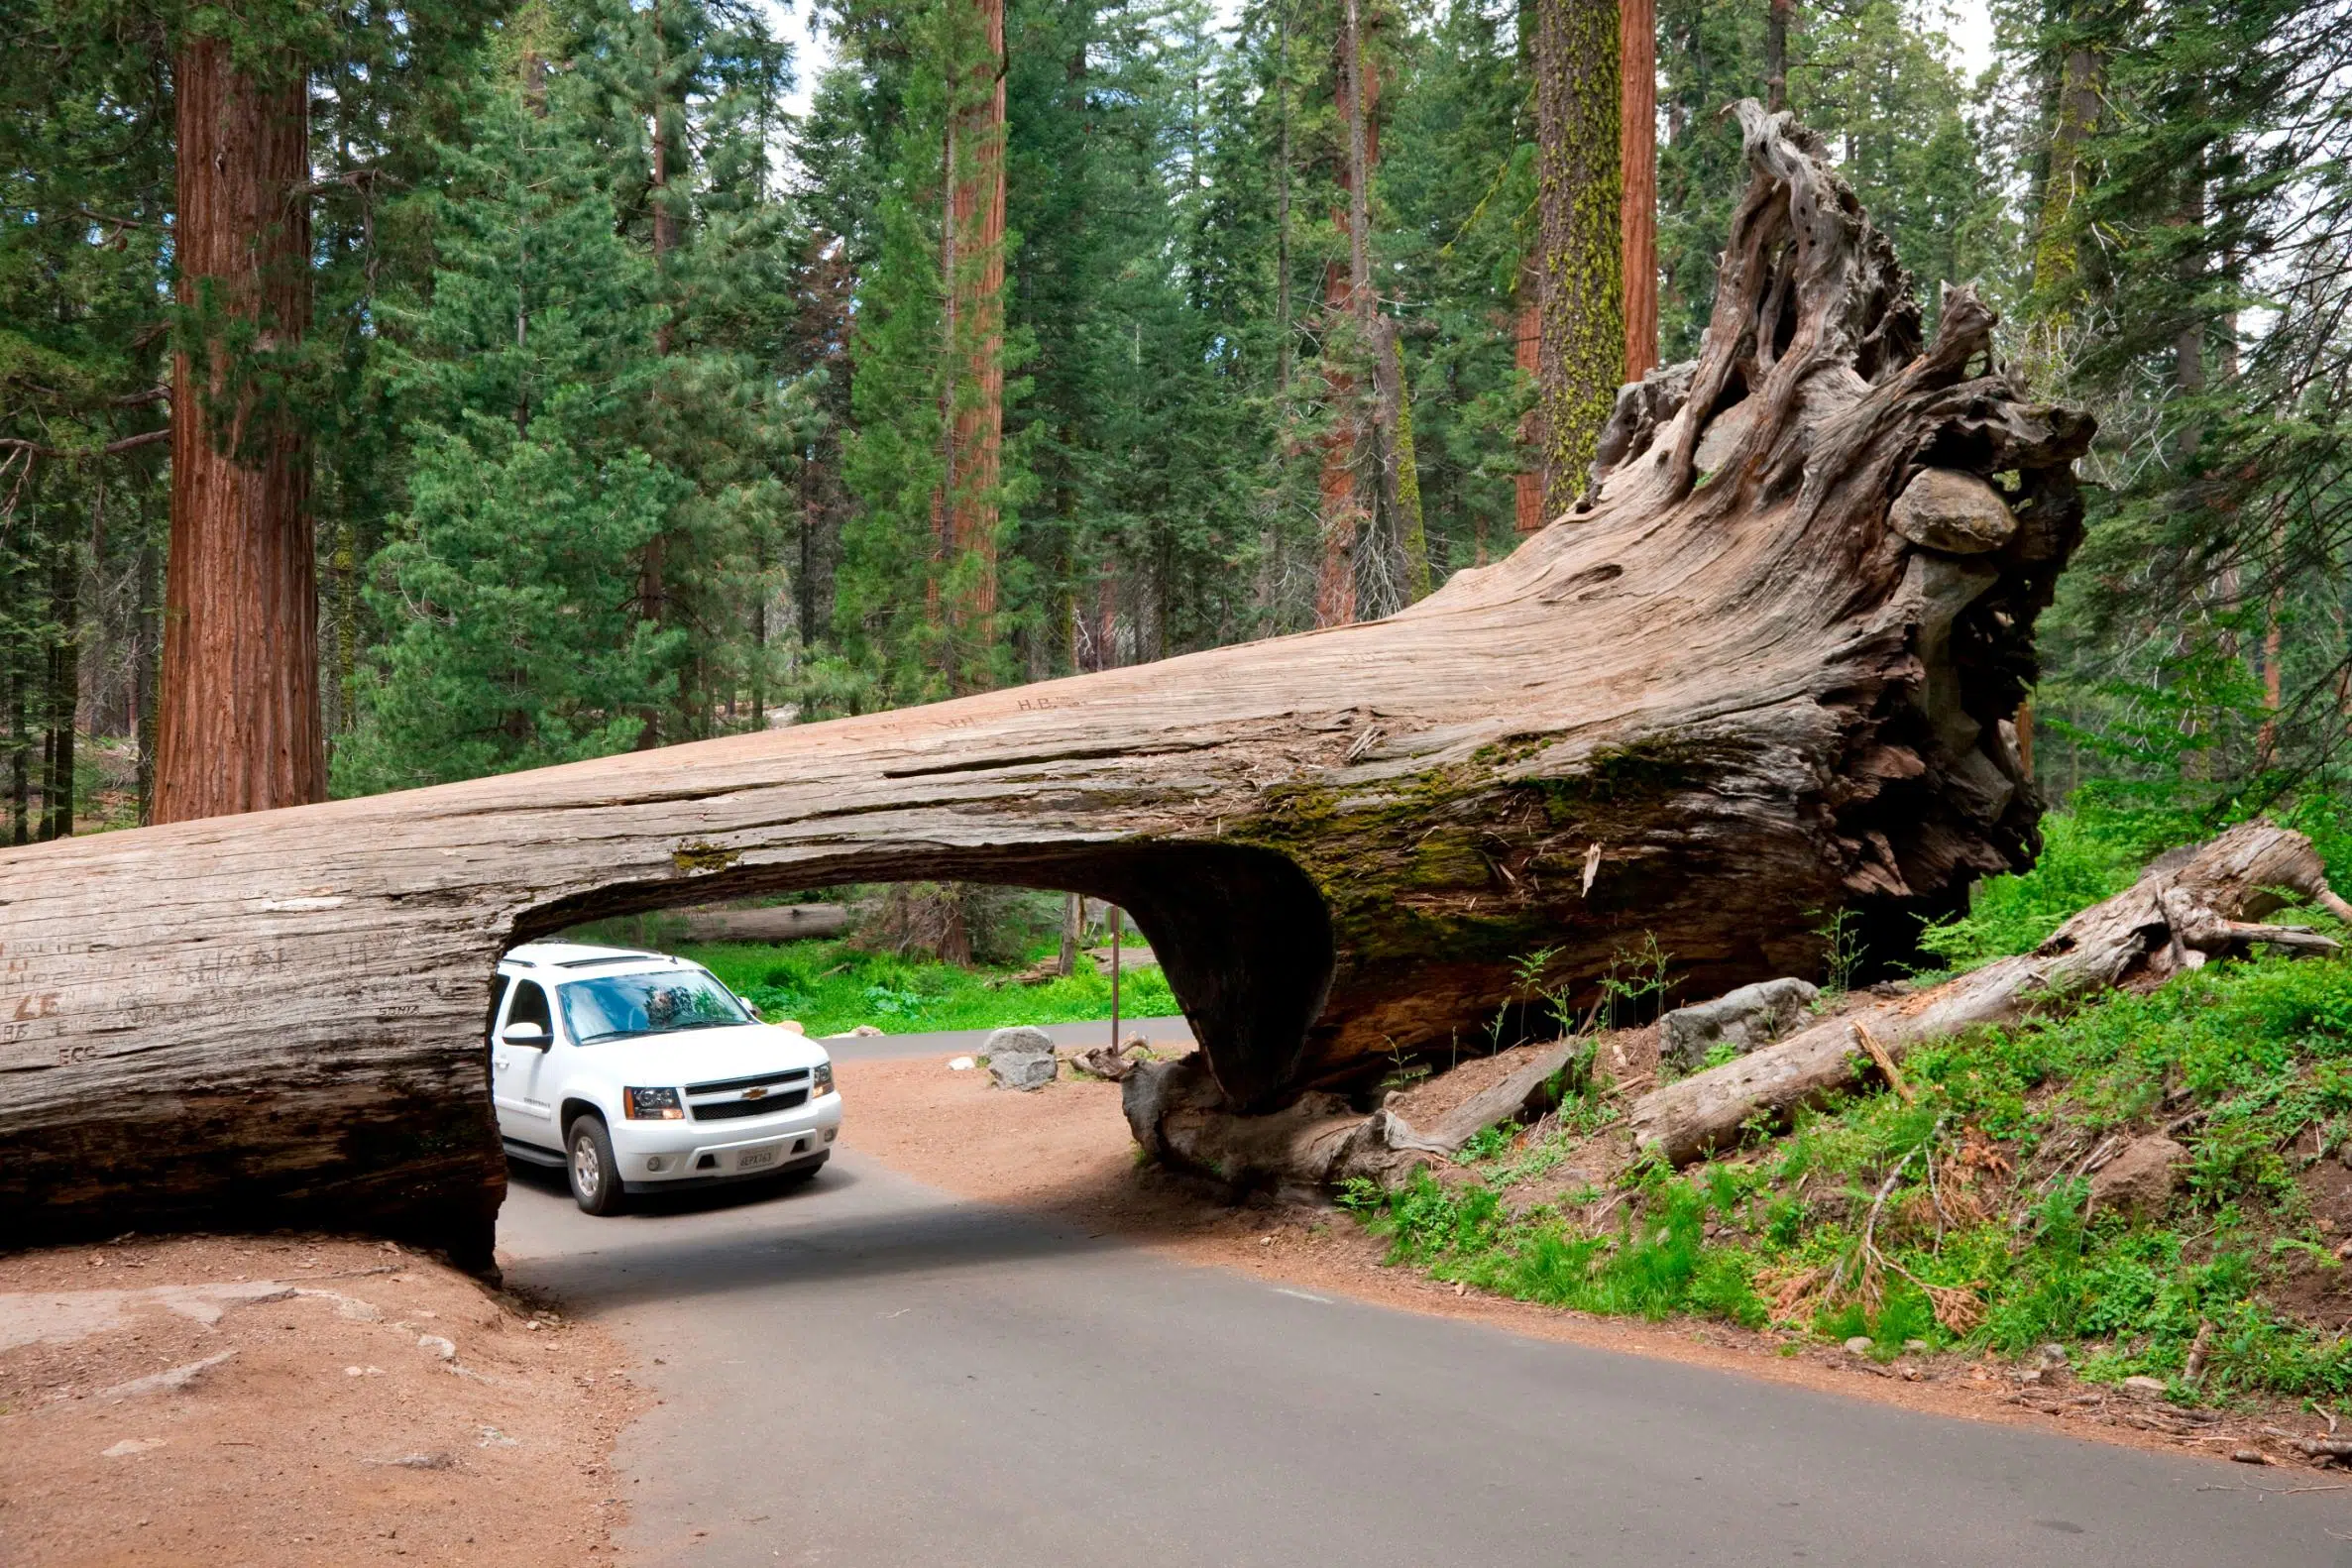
(753,1158)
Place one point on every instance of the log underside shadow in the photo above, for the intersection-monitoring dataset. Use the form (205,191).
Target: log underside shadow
(1756,681)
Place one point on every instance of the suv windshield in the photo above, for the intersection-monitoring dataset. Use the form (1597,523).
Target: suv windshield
(621,1005)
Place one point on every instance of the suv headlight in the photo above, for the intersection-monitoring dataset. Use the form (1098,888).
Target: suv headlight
(821,1083)
(654,1105)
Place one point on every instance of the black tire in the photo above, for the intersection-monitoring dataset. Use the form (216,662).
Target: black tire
(593,1171)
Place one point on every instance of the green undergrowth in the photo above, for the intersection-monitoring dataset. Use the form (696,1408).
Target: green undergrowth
(1962,1218)
(831,988)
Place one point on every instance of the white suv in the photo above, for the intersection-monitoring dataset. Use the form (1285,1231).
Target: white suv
(638,1072)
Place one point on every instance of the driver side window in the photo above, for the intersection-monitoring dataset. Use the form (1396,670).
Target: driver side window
(530,1006)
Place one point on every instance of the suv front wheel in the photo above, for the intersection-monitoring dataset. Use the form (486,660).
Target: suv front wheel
(595,1176)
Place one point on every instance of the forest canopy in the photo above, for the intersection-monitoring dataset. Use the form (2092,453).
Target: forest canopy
(631,402)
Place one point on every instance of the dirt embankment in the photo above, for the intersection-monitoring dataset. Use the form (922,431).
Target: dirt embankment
(295,1401)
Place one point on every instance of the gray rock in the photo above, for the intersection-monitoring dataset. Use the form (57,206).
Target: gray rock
(2144,1387)
(1752,1016)
(1859,1345)
(1943,509)
(1024,1070)
(1021,1058)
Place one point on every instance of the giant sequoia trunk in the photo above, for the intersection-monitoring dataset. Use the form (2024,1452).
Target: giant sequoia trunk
(1745,688)
(238,726)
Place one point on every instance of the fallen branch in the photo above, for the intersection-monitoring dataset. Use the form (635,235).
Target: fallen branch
(1886,1064)
(2188,907)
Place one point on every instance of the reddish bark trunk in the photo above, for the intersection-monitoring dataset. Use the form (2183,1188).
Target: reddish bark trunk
(238,725)
(1638,165)
(1527,356)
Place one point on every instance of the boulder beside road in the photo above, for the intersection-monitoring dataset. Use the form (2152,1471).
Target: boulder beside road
(1021,1058)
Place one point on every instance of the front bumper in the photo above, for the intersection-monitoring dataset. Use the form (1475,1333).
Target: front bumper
(658,1156)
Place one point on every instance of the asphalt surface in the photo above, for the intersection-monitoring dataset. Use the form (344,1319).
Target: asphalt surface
(950,1041)
(868,1372)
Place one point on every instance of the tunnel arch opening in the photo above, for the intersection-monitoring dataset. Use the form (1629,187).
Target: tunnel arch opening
(1242,936)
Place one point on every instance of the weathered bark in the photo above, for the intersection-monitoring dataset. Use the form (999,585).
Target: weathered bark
(238,725)
(1638,178)
(1579,244)
(2189,907)
(1740,704)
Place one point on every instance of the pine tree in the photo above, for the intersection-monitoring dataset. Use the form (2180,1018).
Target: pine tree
(510,588)
(601,443)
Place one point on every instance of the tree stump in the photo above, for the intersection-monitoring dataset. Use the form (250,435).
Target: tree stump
(1718,702)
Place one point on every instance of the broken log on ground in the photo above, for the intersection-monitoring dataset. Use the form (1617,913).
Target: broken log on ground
(2189,907)
(1729,696)
(1318,1142)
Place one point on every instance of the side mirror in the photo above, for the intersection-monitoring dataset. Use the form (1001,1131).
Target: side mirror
(526,1034)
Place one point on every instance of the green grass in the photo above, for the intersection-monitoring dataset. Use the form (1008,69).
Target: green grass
(2258,1052)
(831,988)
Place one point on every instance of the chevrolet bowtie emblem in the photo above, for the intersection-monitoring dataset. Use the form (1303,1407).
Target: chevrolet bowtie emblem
(755,1094)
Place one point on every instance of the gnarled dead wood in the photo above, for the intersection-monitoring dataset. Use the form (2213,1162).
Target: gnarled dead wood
(1728,671)
(2189,907)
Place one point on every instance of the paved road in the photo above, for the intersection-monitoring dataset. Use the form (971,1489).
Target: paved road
(867,1372)
(950,1041)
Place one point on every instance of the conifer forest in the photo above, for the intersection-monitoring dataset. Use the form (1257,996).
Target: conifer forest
(393,395)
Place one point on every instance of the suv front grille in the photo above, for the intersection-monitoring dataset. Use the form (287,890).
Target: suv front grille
(726,1110)
(766,1081)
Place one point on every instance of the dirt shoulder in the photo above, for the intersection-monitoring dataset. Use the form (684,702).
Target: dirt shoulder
(1064,1152)
(295,1401)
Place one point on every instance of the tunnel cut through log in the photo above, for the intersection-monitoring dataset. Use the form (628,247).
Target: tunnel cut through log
(1764,675)
(1241,933)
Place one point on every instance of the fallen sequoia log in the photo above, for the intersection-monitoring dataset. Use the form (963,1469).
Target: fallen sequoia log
(1766,674)
(774,923)
(2188,907)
